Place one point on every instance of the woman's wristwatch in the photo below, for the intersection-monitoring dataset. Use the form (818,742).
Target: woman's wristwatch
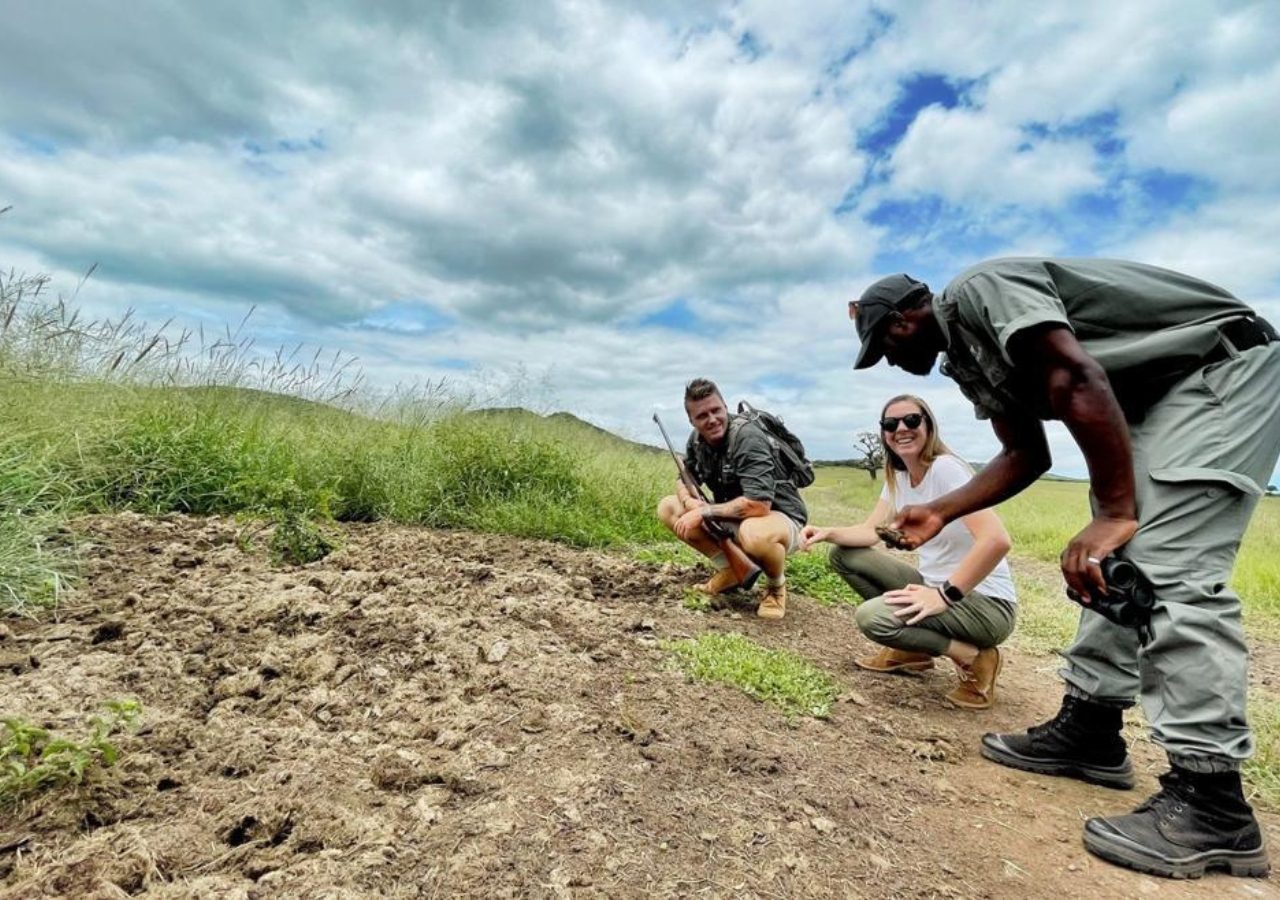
(950,593)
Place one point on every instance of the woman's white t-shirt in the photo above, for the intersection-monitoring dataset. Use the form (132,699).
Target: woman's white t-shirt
(941,556)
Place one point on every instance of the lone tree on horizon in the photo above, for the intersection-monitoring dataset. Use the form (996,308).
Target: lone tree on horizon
(867,443)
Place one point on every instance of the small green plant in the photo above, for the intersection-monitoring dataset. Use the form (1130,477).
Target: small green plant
(32,759)
(298,540)
(696,600)
(786,680)
(669,551)
(811,575)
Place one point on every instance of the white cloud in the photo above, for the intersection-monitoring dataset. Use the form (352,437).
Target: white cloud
(957,154)
(1228,131)
(1230,242)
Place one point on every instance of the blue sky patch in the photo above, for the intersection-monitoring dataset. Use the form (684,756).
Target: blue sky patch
(676,316)
(918,92)
(256,148)
(36,145)
(408,318)
(1173,189)
(750,46)
(782,381)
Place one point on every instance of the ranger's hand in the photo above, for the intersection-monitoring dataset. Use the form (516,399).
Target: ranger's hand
(812,534)
(917,524)
(1082,560)
(915,602)
(689,524)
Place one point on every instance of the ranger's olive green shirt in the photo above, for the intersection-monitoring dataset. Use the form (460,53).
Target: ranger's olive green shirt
(1146,326)
(744,465)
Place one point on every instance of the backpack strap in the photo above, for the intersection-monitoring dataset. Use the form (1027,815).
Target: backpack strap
(748,413)
(750,418)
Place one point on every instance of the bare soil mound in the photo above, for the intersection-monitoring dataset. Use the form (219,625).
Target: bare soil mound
(449,714)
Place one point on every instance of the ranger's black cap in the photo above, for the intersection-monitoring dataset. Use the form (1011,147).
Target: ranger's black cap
(871,309)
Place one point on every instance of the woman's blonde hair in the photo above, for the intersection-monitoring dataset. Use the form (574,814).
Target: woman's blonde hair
(933,445)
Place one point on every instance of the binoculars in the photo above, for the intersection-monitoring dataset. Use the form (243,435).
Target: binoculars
(1129,599)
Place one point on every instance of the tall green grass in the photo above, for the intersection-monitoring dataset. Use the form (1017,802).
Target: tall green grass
(35,566)
(162,450)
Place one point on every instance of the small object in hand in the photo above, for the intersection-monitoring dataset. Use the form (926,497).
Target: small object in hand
(892,537)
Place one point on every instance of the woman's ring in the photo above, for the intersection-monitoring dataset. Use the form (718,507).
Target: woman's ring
(1093,560)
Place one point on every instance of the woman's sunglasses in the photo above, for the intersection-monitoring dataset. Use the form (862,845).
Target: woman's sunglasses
(911,420)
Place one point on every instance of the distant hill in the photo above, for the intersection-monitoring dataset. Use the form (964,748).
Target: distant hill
(567,423)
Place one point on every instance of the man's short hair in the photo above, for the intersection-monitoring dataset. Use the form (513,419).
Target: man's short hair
(700,389)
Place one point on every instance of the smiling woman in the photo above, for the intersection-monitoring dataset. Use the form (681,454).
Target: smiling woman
(960,601)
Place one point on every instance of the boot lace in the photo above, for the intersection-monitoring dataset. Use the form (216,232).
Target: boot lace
(1056,725)
(1171,800)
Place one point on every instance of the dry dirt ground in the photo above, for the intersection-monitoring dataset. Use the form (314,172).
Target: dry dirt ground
(446,714)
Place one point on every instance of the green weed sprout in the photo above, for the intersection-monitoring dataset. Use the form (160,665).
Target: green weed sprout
(32,759)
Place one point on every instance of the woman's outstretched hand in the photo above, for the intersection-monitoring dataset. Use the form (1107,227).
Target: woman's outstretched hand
(812,534)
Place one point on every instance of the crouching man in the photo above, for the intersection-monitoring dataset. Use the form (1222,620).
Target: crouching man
(752,491)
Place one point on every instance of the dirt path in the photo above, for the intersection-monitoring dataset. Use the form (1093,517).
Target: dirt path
(441,714)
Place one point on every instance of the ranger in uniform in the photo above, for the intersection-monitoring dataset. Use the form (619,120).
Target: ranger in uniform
(1171,388)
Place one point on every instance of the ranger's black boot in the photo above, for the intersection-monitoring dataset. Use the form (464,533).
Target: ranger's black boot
(1196,822)
(1083,741)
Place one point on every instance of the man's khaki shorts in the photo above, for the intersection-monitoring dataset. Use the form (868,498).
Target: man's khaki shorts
(793,529)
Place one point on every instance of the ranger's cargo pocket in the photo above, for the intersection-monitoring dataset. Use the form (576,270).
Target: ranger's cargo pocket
(1221,478)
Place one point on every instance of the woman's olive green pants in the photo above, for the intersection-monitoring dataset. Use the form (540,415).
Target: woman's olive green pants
(978,619)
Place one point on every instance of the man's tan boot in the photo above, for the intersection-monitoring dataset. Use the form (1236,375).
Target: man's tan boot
(890,660)
(773,605)
(723,580)
(977,687)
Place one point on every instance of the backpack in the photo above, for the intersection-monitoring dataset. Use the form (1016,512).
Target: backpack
(786,446)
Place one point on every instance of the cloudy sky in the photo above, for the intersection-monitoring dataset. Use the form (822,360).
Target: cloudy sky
(580,205)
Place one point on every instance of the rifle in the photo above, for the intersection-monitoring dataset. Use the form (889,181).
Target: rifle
(743,566)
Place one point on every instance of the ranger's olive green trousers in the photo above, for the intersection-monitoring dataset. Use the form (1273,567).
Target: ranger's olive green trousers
(978,619)
(1202,457)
